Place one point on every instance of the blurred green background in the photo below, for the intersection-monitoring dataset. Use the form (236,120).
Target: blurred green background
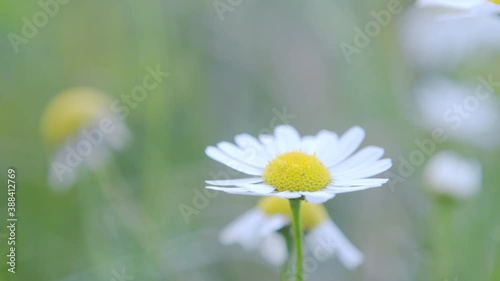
(226,77)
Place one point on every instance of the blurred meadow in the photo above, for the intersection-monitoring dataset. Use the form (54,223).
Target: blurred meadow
(236,67)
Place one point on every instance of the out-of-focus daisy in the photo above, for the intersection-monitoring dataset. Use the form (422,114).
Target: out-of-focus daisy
(463,8)
(79,129)
(257,229)
(466,115)
(449,174)
(290,166)
(432,43)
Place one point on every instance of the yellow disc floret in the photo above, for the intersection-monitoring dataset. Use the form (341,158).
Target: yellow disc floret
(69,111)
(297,171)
(495,1)
(311,215)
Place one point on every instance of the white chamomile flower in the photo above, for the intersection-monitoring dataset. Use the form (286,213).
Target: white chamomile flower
(290,166)
(432,43)
(463,8)
(80,130)
(466,114)
(257,229)
(449,174)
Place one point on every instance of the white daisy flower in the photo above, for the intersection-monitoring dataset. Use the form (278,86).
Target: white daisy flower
(463,8)
(447,173)
(80,130)
(431,43)
(257,229)
(289,166)
(466,115)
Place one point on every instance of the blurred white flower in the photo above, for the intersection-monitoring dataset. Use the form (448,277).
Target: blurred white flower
(290,166)
(257,229)
(447,173)
(431,43)
(80,128)
(462,8)
(465,114)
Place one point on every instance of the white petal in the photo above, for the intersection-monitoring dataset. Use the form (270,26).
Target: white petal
(360,182)
(273,224)
(307,144)
(327,238)
(234,182)
(287,194)
(61,180)
(318,197)
(325,141)
(98,158)
(223,158)
(365,172)
(265,138)
(239,190)
(344,189)
(273,249)
(244,229)
(348,143)
(231,190)
(251,145)
(287,138)
(270,146)
(245,156)
(260,188)
(453,4)
(120,136)
(365,156)
(450,174)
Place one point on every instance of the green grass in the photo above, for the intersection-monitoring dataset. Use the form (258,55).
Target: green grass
(226,77)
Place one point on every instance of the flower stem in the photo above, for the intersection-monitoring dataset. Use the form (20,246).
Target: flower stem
(297,234)
(444,238)
(116,191)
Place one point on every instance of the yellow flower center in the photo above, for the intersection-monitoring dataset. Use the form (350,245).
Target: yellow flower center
(311,215)
(297,171)
(495,1)
(69,111)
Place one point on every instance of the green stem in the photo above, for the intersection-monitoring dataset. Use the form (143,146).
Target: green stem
(297,234)
(117,193)
(444,238)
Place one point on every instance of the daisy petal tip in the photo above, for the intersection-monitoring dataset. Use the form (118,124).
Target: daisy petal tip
(208,149)
(388,162)
(357,129)
(355,263)
(283,127)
